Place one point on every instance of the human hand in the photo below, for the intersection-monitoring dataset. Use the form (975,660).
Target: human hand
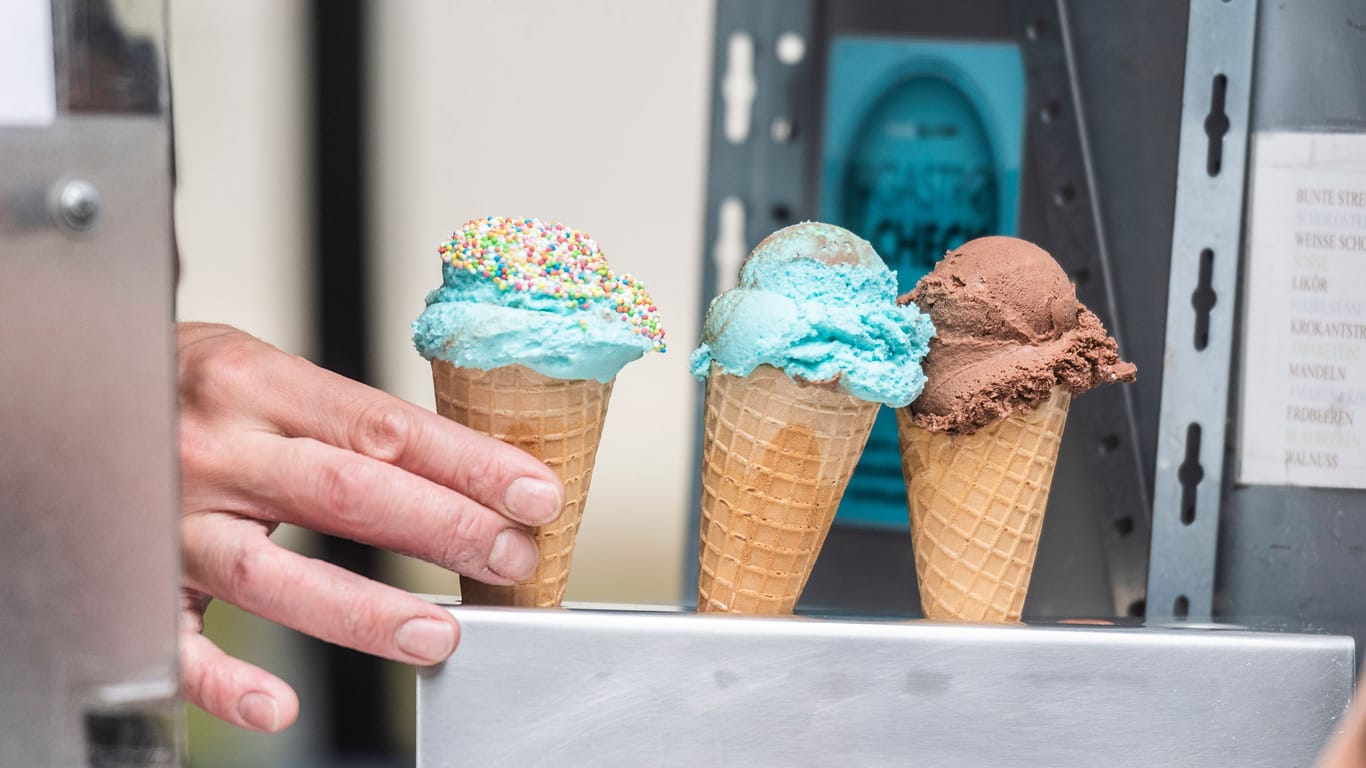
(268,438)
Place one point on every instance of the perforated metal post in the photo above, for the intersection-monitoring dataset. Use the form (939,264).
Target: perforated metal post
(1206,243)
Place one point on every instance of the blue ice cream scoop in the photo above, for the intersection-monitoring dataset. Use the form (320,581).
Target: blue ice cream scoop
(817,302)
(538,294)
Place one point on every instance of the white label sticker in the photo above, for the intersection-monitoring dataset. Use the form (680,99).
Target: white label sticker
(27,93)
(1303,410)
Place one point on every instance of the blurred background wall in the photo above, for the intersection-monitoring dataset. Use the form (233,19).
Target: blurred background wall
(240,89)
(593,113)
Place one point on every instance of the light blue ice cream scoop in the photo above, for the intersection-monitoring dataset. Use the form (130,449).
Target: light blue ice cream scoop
(538,294)
(817,302)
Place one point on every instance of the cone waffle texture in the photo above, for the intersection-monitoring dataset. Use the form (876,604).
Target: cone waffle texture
(977,503)
(556,420)
(777,456)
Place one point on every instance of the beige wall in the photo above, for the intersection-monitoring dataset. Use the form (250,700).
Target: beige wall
(592,113)
(240,85)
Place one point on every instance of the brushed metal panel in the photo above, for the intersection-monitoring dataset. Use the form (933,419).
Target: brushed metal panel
(618,688)
(88,497)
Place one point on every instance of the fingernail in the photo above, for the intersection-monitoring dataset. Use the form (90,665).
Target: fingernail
(427,639)
(534,502)
(513,554)
(260,711)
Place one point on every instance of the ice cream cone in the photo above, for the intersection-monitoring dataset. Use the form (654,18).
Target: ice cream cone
(777,457)
(976,505)
(558,421)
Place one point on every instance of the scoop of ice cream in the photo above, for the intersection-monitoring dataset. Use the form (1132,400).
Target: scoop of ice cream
(538,294)
(811,241)
(817,302)
(1009,329)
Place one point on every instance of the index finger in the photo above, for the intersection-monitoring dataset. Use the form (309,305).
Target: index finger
(314,402)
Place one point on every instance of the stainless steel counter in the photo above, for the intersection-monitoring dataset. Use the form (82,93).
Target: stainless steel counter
(617,687)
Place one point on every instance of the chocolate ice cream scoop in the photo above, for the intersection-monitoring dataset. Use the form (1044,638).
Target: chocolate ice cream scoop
(1009,329)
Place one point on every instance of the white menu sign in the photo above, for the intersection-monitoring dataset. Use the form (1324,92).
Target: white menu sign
(1303,410)
(27,93)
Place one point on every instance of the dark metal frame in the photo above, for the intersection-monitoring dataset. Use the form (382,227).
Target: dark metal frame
(355,682)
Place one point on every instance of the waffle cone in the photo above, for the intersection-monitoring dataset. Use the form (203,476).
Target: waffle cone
(558,421)
(976,504)
(777,456)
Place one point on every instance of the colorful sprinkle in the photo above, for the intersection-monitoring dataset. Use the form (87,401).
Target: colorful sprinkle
(552,260)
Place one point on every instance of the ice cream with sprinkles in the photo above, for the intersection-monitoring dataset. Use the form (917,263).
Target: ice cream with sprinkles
(521,291)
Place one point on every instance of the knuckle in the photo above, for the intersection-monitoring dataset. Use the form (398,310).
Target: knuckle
(383,431)
(205,687)
(198,450)
(223,371)
(467,545)
(206,453)
(359,623)
(249,581)
(485,473)
(345,487)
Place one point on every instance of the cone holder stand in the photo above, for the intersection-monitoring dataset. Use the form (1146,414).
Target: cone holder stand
(612,685)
